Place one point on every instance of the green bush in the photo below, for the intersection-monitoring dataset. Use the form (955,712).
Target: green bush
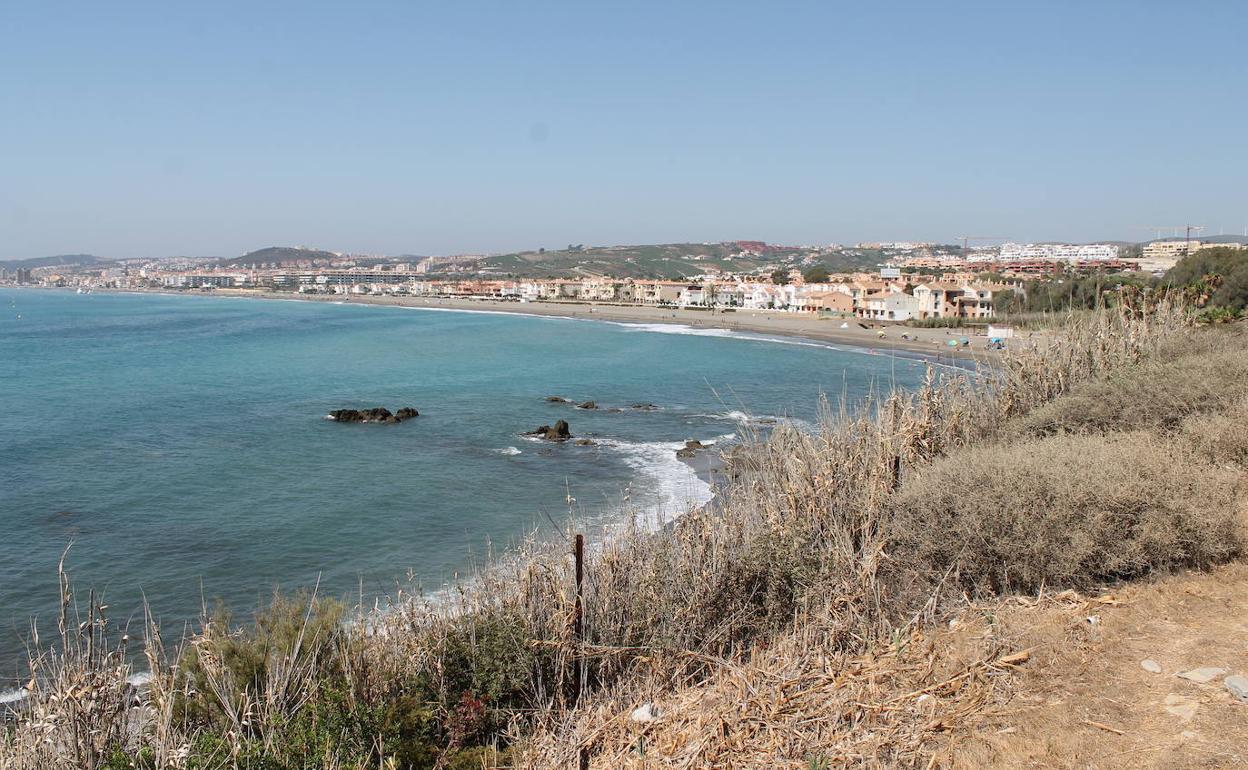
(487,656)
(299,629)
(1219,277)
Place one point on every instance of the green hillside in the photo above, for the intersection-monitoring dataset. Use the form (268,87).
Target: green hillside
(671,261)
(277,255)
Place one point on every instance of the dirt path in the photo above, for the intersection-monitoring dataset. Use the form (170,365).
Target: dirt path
(1085,700)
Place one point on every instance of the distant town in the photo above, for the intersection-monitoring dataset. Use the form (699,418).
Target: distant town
(878,281)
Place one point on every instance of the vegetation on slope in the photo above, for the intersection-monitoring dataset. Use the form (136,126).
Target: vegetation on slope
(670,261)
(1221,274)
(1214,280)
(830,533)
(278,255)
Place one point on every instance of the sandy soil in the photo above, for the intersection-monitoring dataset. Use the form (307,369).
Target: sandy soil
(1024,683)
(931,342)
(1085,701)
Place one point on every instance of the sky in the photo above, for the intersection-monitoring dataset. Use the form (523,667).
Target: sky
(133,129)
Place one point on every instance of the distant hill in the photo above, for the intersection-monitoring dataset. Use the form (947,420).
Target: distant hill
(670,261)
(57,261)
(277,255)
(1210,239)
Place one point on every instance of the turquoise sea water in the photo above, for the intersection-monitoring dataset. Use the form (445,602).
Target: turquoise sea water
(179,442)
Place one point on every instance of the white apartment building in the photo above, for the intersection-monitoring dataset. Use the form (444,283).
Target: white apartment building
(1168,251)
(890,307)
(1049,252)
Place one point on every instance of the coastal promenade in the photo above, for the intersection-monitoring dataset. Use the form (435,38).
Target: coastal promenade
(932,342)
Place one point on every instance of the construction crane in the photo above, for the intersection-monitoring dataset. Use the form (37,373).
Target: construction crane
(968,238)
(1188,229)
(1187,234)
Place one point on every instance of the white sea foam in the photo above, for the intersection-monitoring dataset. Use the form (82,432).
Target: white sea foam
(137,680)
(744,418)
(508,450)
(916,358)
(662,328)
(12,696)
(512,313)
(674,486)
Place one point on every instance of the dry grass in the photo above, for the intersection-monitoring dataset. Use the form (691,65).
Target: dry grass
(1200,374)
(791,705)
(1084,701)
(1220,437)
(80,706)
(802,538)
(1068,511)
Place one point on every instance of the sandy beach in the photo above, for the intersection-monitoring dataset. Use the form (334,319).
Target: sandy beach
(930,342)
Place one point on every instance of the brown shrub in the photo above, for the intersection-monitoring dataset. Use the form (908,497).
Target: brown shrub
(1065,510)
(1221,437)
(1160,394)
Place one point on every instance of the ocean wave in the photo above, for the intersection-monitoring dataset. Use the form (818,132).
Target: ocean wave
(662,328)
(745,418)
(911,357)
(508,450)
(512,313)
(12,696)
(674,486)
(137,680)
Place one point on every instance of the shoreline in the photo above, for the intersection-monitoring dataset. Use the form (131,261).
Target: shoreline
(927,344)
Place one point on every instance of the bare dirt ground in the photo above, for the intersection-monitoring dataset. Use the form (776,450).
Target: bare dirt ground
(1085,701)
(1053,682)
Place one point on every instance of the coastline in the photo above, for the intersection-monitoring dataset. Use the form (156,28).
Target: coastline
(930,344)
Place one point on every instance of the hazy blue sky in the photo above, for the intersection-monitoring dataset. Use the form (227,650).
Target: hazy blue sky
(147,129)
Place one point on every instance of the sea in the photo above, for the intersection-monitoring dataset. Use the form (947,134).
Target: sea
(178,446)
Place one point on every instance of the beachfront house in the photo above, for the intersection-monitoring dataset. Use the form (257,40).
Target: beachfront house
(830,302)
(890,306)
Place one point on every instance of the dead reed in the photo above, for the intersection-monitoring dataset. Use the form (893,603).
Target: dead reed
(802,538)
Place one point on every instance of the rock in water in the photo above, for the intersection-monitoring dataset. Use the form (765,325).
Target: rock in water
(690,449)
(377,414)
(558,400)
(558,432)
(587,405)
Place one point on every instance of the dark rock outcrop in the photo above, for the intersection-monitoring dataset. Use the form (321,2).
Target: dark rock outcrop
(690,449)
(558,400)
(587,405)
(377,414)
(557,432)
(644,407)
